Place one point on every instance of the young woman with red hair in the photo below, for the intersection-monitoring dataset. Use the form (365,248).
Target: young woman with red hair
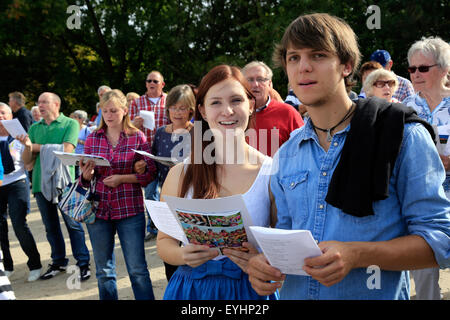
(224,107)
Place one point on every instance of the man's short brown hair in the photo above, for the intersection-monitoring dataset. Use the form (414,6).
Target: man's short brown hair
(320,31)
(19,97)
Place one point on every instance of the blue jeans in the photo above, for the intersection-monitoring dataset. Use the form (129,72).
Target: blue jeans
(16,197)
(131,233)
(151,193)
(50,218)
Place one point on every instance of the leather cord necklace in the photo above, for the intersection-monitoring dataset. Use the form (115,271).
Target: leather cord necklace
(328,131)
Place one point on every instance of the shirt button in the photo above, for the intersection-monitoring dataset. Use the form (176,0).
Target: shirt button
(324,174)
(335,144)
(292,184)
(321,206)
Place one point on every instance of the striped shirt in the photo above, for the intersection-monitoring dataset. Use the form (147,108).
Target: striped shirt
(144,103)
(6,291)
(126,199)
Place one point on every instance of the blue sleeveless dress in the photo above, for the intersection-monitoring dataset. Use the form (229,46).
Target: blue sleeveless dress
(222,279)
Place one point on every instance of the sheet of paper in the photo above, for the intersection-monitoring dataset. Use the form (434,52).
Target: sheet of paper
(73,159)
(149,119)
(14,127)
(207,216)
(170,162)
(286,250)
(164,219)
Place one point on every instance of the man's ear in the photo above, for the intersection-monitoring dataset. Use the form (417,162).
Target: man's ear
(348,68)
(388,66)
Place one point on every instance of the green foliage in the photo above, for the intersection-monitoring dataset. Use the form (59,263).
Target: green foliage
(120,41)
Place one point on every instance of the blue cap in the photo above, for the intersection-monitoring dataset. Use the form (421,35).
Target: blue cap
(381,56)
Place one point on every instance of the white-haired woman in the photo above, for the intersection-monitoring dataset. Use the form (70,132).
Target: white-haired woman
(381,83)
(429,65)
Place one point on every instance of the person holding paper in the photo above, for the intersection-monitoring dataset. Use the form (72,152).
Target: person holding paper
(120,200)
(17,104)
(373,205)
(15,201)
(55,129)
(174,139)
(154,101)
(225,106)
(429,61)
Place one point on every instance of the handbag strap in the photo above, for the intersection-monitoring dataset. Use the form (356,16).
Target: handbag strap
(93,185)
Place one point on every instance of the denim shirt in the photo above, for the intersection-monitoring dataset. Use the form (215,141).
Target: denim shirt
(302,171)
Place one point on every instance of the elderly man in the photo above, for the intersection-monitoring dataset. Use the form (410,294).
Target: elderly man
(153,100)
(272,117)
(55,129)
(15,200)
(17,104)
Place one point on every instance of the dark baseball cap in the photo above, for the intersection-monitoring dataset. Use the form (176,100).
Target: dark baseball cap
(381,56)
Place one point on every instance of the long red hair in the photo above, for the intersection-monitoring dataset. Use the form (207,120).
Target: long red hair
(202,177)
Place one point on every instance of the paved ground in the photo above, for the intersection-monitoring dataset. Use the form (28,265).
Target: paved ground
(63,287)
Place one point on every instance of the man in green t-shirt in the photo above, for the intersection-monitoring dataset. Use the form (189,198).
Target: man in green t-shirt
(54,128)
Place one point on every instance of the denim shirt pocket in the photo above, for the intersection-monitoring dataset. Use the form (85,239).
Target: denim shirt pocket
(296,193)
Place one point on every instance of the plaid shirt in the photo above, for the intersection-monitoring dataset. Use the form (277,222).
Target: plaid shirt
(404,90)
(144,103)
(125,200)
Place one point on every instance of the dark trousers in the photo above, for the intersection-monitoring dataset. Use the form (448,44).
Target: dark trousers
(50,218)
(16,197)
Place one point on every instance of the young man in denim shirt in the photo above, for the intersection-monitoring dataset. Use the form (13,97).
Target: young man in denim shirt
(363,208)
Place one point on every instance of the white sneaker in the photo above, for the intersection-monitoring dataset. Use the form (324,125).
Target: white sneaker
(34,275)
(8,273)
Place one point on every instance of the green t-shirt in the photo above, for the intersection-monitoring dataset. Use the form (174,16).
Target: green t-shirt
(61,130)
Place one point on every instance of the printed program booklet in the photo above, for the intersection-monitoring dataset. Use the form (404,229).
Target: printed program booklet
(217,223)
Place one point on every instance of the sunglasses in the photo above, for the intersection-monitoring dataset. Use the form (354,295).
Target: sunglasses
(422,69)
(382,83)
(150,81)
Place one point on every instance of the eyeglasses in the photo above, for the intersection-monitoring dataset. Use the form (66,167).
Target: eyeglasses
(259,80)
(182,109)
(151,80)
(382,83)
(422,69)
(42,102)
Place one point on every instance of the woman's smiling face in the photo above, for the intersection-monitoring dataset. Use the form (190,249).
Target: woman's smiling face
(227,106)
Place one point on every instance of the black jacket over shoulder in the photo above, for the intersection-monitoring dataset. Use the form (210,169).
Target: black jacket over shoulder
(369,154)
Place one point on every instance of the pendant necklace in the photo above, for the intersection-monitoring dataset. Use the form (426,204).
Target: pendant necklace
(328,131)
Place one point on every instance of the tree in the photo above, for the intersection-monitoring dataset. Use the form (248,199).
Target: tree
(119,42)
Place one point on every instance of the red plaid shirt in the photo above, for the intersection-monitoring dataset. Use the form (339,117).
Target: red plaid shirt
(144,103)
(125,200)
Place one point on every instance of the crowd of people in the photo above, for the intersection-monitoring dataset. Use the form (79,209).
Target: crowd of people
(369,177)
